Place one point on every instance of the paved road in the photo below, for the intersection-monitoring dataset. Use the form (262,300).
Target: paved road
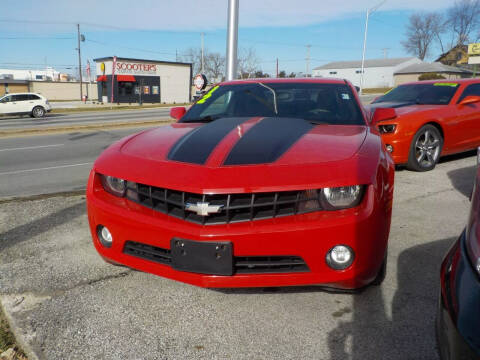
(51,163)
(83,118)
(66,303)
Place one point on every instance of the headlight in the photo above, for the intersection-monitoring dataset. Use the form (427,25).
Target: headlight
(387,129)
(113,185)
(342,197)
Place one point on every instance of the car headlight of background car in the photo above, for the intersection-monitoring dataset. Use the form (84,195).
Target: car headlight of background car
(387,129)
(333,198)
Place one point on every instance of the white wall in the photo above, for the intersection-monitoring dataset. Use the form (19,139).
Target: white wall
(47,74)
(374,77)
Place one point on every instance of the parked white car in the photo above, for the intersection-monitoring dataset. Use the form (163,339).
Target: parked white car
(31,104)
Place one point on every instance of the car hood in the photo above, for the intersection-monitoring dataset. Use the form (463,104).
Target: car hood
(401,108)
(235,154)
(240,141)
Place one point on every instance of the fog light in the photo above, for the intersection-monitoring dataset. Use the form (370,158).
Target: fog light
(389,148)
(340,257)
(105,236)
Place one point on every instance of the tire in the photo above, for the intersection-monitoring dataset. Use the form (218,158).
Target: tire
(381,274)
(425,149)
(38,112)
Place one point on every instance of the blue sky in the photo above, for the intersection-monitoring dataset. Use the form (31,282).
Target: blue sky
(159,29)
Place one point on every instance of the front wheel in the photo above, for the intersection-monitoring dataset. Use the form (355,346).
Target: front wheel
(38,112)
(425,149)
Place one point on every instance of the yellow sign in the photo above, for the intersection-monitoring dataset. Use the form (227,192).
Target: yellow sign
(474,49)
(102,67)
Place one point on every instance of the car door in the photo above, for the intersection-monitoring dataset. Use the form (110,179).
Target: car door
(32,101)
(468,118)
(6,106)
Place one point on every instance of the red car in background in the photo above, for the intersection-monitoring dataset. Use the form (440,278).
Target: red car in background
(261,183)
(429,119)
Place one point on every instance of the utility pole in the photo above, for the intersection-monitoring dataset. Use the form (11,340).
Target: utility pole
(369,11)
(385,52)
(277,68)
(79,62)
(203,53)
(232,40)
(307,71)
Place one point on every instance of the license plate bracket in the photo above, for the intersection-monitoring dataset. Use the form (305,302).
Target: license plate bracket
(203,257)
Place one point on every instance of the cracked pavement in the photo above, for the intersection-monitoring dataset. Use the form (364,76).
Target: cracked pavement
(65,302)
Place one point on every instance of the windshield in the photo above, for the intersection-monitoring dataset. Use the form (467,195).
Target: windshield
(424,94)
(314,102)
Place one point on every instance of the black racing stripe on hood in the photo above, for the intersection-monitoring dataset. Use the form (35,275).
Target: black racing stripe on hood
(267,141)
(196,146)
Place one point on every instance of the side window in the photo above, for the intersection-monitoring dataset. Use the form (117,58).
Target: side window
(19,97)
(33,97)
(6,99)
(473,89)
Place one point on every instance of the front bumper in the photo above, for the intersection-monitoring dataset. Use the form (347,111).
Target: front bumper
(400,144)
(458,315)
(309,236)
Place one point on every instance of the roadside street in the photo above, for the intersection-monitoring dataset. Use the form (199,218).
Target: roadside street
(52,163)
(70,119)
(66,303)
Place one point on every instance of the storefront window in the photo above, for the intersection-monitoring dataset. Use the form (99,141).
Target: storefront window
(125,88)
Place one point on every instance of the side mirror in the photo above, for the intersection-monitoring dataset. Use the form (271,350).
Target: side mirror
(177,112)
(357,88)
(382,114)
(470,100)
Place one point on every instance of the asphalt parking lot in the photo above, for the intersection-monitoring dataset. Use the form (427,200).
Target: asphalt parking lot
(66,303)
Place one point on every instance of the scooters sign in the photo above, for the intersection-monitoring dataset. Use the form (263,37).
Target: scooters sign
(136,68)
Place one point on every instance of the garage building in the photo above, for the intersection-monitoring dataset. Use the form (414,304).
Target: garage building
(378,73)
(146,81)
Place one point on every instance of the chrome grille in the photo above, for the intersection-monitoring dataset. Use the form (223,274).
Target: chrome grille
(235,207)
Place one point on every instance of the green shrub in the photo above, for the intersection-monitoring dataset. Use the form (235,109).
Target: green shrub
(431,76)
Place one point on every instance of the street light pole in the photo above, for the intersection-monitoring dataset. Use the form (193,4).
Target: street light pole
(79,62)
(232,40)
(369,12)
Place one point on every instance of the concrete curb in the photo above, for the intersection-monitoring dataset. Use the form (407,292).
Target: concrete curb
(42,196)
(17,333)
(61,129)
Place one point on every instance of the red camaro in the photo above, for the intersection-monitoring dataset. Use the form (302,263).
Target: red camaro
(430,119)
(261,183)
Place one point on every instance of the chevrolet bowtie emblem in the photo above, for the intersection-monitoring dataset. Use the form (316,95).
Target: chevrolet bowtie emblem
(203,208)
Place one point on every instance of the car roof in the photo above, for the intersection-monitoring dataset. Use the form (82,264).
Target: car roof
(456,81)
(285,80)
(22,93)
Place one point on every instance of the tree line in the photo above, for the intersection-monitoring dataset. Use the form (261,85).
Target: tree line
(457,25)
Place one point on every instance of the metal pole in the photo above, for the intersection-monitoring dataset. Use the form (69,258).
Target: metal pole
(369,11)
(277,68)
(307,70)
(79,62)
(203,54)
(363,52)
(232,40)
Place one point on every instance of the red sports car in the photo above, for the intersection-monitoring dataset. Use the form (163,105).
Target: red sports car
(430,119)
(261,183)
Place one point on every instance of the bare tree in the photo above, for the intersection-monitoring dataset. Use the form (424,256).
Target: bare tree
(215,66)
(248,62)
(464,19)
(422,29)
(194,56)
(214,63)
